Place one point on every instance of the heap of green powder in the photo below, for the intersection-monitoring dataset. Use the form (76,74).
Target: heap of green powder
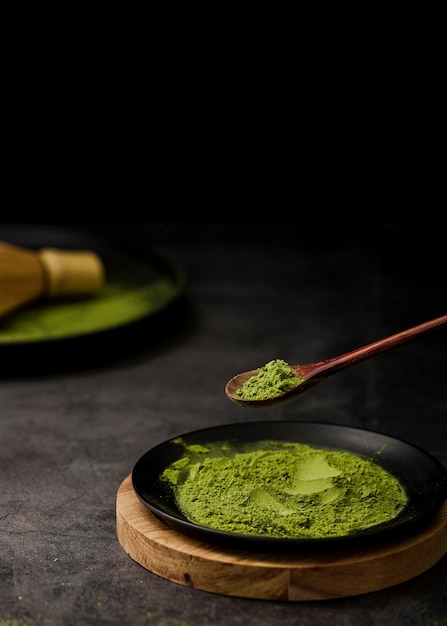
(115,305)
(286,490)
(274,379)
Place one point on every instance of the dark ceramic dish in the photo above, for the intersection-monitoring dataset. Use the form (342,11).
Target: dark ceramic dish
(422,476)
(82,344)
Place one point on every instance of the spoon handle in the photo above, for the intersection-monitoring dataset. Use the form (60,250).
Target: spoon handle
(338,363)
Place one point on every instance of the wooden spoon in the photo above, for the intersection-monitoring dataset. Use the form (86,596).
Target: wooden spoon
(313,373)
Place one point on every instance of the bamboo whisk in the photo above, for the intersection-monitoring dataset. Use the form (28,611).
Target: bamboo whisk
(27,275)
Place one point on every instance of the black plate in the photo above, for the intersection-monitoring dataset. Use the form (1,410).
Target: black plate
(139,290)
(422,476)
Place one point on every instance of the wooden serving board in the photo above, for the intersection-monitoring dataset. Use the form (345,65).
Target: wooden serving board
(272,576)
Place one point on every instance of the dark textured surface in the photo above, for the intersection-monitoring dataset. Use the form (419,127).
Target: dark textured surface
(68,438)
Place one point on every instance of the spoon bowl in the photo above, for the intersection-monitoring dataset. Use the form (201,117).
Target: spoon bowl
(313,373)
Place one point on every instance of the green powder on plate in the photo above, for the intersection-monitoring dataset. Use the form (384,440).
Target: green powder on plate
(281,489)
(115,305)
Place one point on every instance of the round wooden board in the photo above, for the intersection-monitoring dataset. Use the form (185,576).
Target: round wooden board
(272,576)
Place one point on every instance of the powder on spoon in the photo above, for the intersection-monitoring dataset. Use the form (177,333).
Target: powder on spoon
(273,379)
(282,489)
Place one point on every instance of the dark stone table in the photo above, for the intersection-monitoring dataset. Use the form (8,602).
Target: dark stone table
(70,432)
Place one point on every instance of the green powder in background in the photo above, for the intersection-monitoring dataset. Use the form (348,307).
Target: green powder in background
(275,378)
(116,304)
(286,490)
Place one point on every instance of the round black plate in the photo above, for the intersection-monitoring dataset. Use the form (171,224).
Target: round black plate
(135,307)
(422,476)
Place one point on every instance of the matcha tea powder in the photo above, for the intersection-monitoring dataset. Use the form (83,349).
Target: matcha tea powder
(273,379)
(279,489)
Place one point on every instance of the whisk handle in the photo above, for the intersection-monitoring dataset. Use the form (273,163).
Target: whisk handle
(71,272)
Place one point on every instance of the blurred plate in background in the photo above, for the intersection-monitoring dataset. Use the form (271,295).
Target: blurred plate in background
(139,289)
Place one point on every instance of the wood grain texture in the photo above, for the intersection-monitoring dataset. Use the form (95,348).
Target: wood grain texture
(272,576)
